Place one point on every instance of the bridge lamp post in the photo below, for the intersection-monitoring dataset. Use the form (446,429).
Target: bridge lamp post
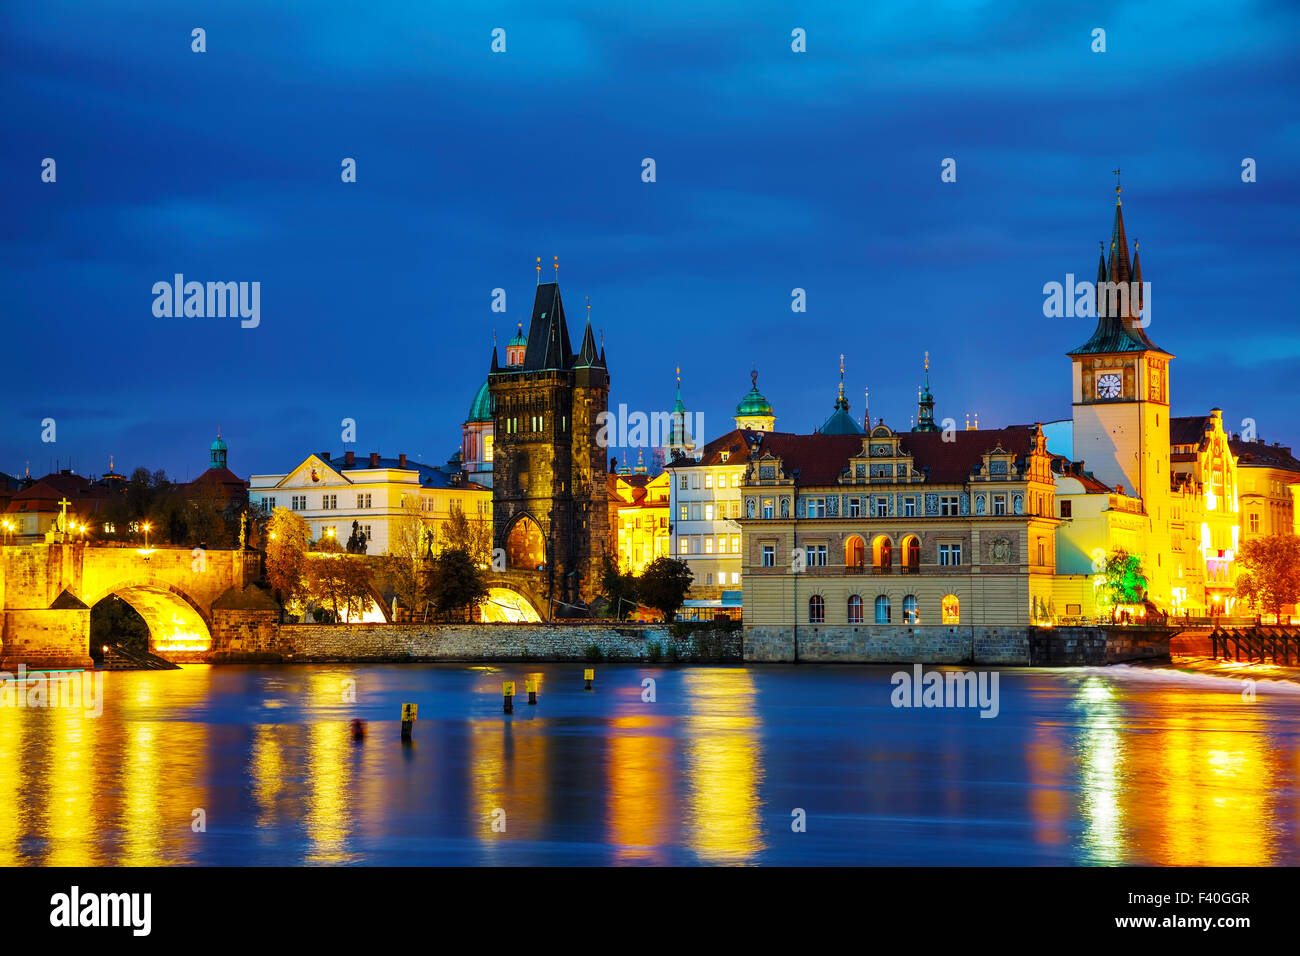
(146,535)
(8,527)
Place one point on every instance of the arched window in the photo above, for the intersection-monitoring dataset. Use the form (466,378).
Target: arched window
(855,553)
(882,554)
(524,545)
(855,609)
(911,554)
(882,610)
(909,609)
(816,609)
(951,609)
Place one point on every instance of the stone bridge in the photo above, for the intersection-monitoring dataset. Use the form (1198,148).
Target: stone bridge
(185,596)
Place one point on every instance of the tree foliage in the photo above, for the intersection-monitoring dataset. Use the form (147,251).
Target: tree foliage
(339,583)
(286,557)
(471,535)
(619,588)
(1123,578)
(663,585)
(456,584)
(1271,575)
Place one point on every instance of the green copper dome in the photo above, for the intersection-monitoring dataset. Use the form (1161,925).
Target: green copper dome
(754,403)
(519,338)
(481,409)
(218,445)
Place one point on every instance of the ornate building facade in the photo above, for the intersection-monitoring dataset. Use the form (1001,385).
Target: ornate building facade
(549,494)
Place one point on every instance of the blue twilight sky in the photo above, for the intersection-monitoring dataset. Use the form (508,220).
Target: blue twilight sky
(775,170)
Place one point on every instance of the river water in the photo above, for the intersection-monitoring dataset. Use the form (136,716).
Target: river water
(255,765)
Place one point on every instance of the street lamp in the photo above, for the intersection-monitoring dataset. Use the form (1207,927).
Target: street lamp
(8,526)
(146,535)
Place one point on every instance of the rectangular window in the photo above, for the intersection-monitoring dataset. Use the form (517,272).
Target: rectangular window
(949,555)
(695,481)
(683,483)
(769,556)
(816,507)
(1254,522)
(999,504)
(708,545)
(948,505)
(735,480)
(695,512)
(735,544)
(708,481)
(735,577)
(880,507)
(685,513)
(909,507)
(855,507)
(768,507)
(1067,509)
(816,554)
(708,512)
(683,545)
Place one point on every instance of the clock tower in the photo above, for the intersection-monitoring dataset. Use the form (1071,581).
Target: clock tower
(1121,401)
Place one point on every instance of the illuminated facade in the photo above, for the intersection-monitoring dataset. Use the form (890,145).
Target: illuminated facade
(380,494)
(889,528)
(1268,477)
(638,518)
(705,503)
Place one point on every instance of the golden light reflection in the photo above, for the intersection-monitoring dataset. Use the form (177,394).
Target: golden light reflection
(1101,758)
(723,766)
(639,766)
(328,818)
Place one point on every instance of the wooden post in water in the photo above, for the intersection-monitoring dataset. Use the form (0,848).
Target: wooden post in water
(508,694)
(408,721)
(588,676)
(530,684)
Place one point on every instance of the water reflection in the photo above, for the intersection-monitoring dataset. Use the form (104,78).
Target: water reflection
(1085,768)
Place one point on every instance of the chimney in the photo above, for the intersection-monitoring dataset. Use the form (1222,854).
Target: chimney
(324,456)
(401,461)
(374,459)
(349,458)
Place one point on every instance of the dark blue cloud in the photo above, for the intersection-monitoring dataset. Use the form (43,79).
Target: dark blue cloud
(775,171)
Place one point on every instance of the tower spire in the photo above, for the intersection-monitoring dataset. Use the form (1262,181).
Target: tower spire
(925,404)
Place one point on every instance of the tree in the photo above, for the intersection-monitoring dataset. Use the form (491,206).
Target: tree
(286,553)
(455,583)
(1272,573)
(474,537)
(663,585)
(620,589)
(357,540)
(410,540)
(340,583)
(1123,579)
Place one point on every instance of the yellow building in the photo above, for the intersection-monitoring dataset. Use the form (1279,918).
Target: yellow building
(1268,476)
(638,518)
(382,495)
(899,528)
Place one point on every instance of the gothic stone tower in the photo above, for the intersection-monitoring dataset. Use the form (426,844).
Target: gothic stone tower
(549,508)
(1121,405)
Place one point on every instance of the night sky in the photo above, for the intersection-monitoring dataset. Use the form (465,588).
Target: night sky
(775,170)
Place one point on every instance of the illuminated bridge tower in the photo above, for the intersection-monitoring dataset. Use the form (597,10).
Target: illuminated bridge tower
(1121,403)
(549,504)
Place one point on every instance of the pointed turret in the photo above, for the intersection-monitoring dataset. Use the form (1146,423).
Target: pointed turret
(496,366)
(925,404)
(680,441)
(841,422)
(548,332)
(1120,300)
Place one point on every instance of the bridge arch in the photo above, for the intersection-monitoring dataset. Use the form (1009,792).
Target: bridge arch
(177,623)
(525,544)
(508,601)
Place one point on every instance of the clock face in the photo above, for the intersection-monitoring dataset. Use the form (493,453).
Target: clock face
(1108,386)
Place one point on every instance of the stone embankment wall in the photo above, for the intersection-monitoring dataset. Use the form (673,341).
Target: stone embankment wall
(480,642)
(1009,646)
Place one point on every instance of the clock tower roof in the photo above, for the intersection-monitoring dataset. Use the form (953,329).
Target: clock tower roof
(1117,322)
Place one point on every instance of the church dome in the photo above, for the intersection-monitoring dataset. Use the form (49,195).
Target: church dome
(519,338)
(218,445)
(754,403)
(481,408)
